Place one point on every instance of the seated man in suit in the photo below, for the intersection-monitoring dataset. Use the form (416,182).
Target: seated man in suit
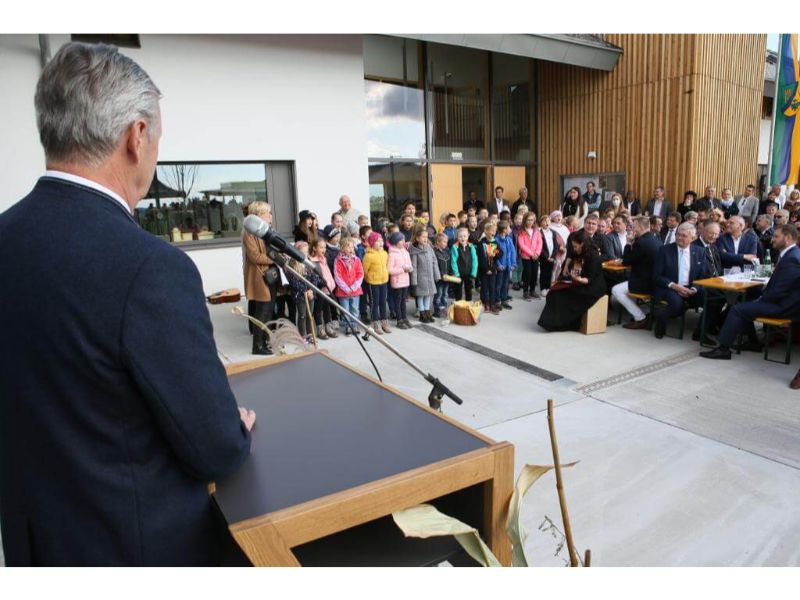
(617,238)
(677,267)
(640,253)
(763,231)
(780,299)
(715,263)
(741,246)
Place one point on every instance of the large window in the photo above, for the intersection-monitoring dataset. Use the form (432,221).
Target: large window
(511,108)
(459,83)
(394,98)
(392,184)
(205,203)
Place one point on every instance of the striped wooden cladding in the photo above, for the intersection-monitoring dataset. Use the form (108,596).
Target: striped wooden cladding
(678,111)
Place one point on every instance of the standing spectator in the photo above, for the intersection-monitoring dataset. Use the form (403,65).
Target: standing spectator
(337,222)
(574,205)
(523,200)
(709,201)
(497,205)
(255,263)
(442,251)
(407,228)
(747,203)
(410,208)
(473,202)
(634,204)
(591,197)
(519,220)
(776,191)
(658,205)
(792,203)
(349,216)
(323,314)
(553,253)
(488,255)
(376,276)
(472,229)
(399,266)
(451,230)
(364,232)
(463,264)
(348,274)
(333,239)
(615,203)
(302,295)
(727,204)
(529,241)
(424,273)
(506,262)
(687,205)
(306,230)
(425,221)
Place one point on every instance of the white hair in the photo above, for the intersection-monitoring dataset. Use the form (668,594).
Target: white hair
(87,96)
(687,227)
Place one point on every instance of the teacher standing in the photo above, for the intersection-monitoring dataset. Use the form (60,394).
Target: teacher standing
(115,411)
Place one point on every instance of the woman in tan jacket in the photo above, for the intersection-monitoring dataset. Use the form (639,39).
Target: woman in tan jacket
(255,261)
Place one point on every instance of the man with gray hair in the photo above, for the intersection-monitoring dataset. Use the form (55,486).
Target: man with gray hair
(523,199)
(106,456)
(677,266)
(349,215)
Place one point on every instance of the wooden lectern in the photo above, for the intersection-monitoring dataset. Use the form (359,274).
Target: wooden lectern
(335,452)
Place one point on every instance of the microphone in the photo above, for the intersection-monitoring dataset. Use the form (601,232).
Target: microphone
(261,229)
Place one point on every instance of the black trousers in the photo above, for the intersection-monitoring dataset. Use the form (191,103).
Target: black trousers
(530,273)
(466,284)
(303,318)
(545,274)
(322,312)
(400,295)
(263,311)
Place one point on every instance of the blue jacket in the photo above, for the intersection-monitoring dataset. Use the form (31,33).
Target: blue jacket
(748,244)
(666,267)
(783,288)
(451,233)
(115,411)
(508,258)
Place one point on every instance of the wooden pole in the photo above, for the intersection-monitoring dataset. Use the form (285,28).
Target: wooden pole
(587,558)
(573,555)
(310,317)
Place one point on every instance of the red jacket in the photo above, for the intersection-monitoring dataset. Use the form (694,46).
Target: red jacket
(348,274)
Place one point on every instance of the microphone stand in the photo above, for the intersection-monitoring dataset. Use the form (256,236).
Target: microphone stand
(439,389)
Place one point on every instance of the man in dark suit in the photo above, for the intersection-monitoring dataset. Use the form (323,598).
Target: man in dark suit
(658,205)
(640,254)
(740,245)
(497,205)
(677,266)
(670,228)
(715,263)
(708,201)
(780,299)
(523,199)
(617,238)
(115,411)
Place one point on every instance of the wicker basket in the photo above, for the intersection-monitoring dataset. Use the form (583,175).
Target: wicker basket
(465,313)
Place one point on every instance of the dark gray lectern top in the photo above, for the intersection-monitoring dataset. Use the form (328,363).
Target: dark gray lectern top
(320,429)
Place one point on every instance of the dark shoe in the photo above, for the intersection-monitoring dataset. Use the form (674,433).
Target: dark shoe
(636,324)
(366,319)
(795,383)
(428,317)
(526,296)
(348,332)
(516,287)
(506,305)
(496,309)
(717,353)
(408,324)
(660,330)
(321,333)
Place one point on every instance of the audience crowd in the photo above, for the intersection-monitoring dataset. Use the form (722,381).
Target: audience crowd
(630,249)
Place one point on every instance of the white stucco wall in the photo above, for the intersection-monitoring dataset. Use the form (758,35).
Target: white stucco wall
(226,97)
(763,141)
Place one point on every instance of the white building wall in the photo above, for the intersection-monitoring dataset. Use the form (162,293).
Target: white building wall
(763,141)
(226,97)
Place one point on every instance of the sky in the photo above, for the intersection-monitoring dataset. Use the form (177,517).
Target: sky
(772,41)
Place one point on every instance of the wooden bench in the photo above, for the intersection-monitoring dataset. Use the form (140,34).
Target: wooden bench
(639,299)
(768,324)
(595,319)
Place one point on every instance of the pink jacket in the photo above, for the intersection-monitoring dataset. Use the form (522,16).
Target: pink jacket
(398,277)
(348,274)
(327,277)
(530,246)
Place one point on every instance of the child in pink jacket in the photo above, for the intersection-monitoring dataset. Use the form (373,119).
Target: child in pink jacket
(348,274)
(399,280)
(529,242)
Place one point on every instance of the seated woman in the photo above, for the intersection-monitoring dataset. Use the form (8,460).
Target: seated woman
(567,301)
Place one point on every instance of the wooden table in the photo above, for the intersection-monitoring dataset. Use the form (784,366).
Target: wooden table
(335,452)
(611,266)
(738,288)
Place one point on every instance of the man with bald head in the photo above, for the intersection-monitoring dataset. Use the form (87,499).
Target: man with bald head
(738,245)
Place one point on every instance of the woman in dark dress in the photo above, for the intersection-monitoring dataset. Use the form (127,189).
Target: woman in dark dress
(688,203)
(567,302)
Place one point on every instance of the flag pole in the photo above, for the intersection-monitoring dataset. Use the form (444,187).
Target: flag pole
(770,156)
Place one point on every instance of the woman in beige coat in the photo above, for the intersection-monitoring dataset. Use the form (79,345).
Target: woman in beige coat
(255,261)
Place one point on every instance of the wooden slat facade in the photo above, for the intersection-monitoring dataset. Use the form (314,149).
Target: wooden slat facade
(678,110)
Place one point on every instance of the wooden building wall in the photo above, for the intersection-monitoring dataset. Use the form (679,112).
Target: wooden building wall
(678,110)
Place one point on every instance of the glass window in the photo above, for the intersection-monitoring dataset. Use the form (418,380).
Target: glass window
(458,78)
(394,98)
(511,108)
(392,184)
(200,202)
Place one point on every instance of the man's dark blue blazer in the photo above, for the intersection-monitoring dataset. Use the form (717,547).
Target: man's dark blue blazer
(783,289)
(666,268)
(748,244)
(115,411)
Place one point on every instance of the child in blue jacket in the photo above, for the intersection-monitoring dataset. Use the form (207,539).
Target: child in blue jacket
(505,263)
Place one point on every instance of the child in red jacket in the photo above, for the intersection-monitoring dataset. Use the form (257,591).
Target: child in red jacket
(348,274)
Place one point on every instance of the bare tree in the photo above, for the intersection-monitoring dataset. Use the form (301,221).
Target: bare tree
(182,179)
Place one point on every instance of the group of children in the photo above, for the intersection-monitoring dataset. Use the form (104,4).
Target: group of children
(374,275)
